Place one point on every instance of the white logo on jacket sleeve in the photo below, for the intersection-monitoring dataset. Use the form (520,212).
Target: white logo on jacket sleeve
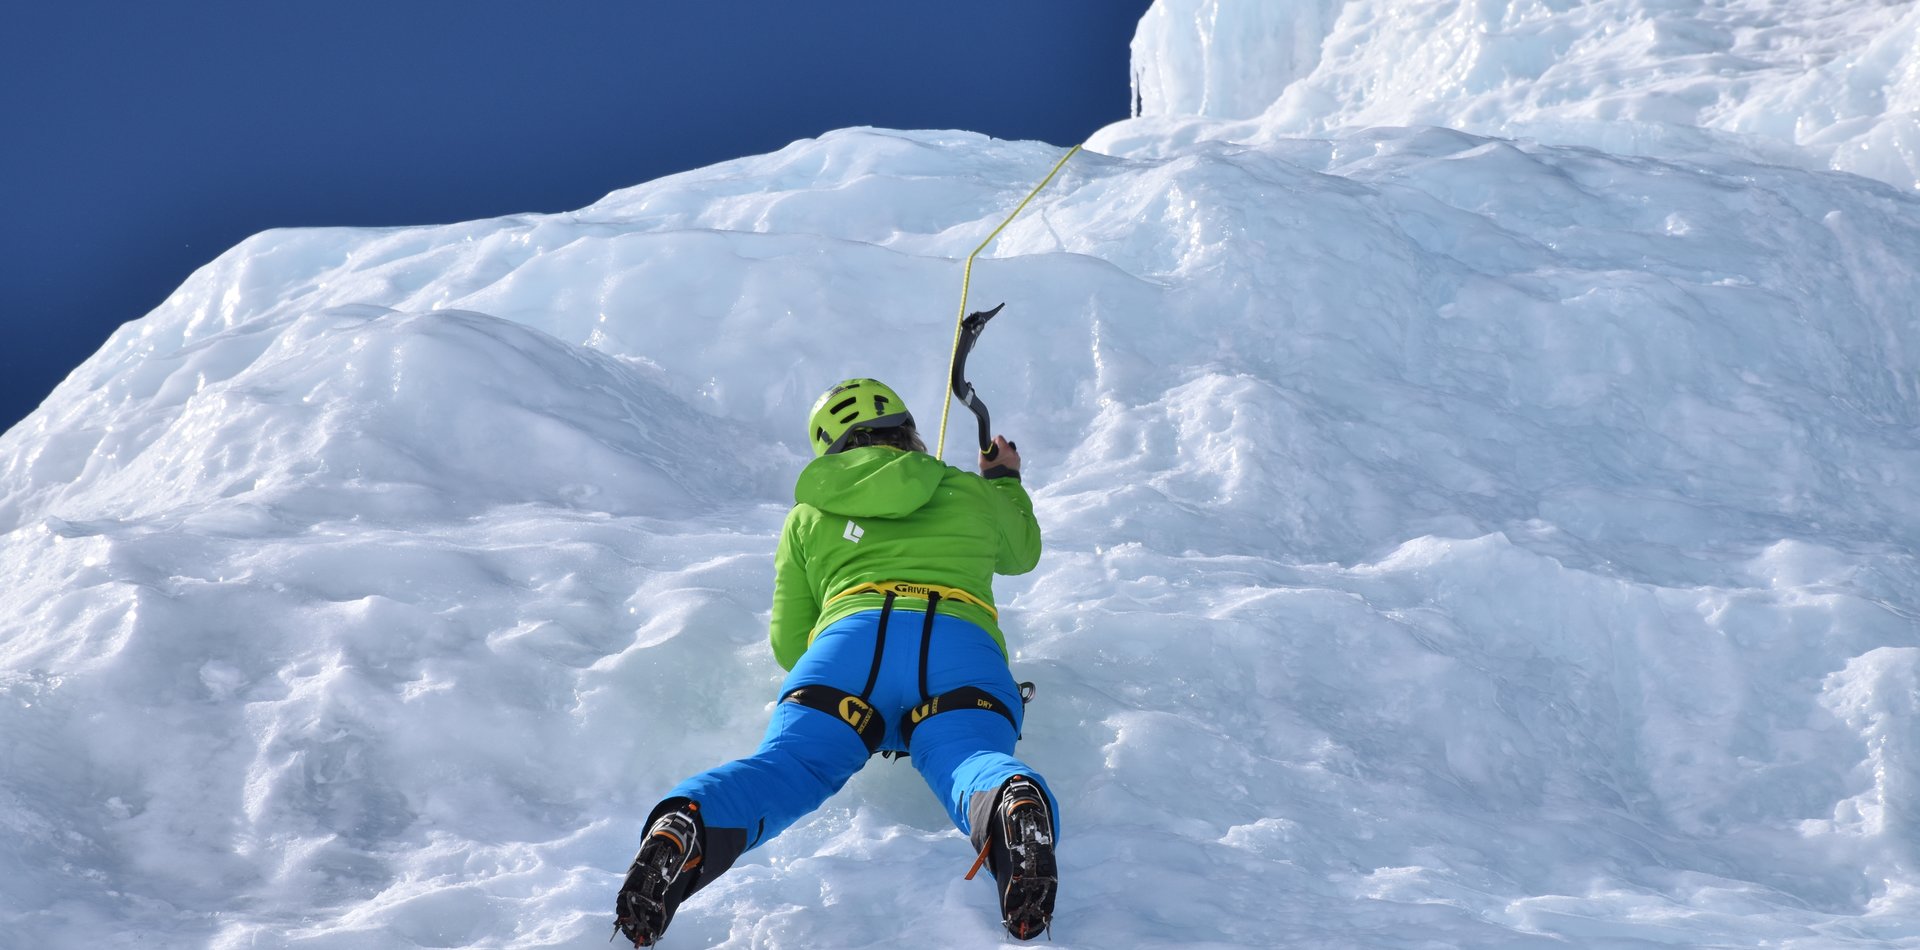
(853,532)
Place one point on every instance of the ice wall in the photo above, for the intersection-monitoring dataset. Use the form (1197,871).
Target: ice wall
(1820,84)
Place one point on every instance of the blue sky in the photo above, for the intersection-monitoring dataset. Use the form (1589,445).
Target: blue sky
(139,140)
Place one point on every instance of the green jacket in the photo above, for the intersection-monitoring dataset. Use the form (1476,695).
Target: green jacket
(876,514)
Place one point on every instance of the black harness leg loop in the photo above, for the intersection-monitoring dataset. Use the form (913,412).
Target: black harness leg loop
(853,710)
(953,700)
(844,706)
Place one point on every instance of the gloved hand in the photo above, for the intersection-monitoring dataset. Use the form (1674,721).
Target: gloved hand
(1005,461)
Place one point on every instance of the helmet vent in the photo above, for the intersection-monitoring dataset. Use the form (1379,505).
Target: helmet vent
(854,405)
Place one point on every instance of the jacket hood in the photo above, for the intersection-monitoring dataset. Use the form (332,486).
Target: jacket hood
(870,482)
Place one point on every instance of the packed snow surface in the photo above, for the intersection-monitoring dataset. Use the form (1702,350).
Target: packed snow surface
(1453,541)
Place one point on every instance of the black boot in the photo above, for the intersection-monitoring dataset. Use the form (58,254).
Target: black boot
(1020,852)
(662,875)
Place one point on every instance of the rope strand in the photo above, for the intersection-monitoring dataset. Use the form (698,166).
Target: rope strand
(966,279)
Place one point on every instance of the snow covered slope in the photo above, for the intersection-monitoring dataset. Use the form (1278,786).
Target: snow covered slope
(1819,83)
(1452,542)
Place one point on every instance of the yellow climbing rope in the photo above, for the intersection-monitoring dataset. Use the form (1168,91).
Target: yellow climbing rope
(966,279)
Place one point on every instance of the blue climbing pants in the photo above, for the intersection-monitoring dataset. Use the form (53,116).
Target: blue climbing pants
(807,754)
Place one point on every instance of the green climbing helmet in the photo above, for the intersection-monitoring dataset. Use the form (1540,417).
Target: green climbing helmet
(853,404)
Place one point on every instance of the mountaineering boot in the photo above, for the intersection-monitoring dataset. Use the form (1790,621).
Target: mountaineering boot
(660,876)
(1020,853)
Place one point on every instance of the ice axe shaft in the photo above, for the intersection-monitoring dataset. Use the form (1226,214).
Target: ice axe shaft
(970,328)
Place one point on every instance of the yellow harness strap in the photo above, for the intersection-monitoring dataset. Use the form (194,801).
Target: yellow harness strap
(917,592)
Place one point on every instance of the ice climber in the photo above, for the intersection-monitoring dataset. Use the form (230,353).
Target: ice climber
(883,616)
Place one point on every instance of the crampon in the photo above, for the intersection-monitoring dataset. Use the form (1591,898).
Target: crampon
(657,881)
(1020,853)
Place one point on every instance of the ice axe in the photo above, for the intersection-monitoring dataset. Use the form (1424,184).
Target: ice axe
(970,328)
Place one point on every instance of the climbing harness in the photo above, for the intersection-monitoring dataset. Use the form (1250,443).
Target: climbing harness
(857,710)
(953,700)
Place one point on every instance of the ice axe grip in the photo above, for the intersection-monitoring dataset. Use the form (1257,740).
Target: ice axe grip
(970,328)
